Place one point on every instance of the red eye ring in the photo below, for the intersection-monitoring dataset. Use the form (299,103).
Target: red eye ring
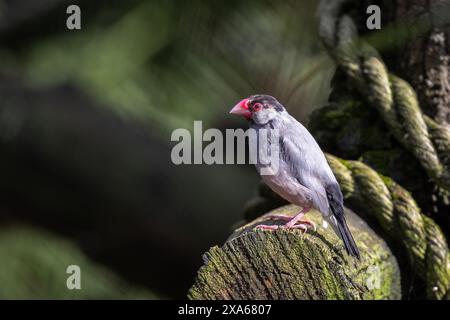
(257,106)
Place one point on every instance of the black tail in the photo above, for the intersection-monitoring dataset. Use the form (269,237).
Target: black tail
(347,237)
(337,217)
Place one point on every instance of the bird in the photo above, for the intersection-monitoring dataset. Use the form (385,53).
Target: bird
(303,177)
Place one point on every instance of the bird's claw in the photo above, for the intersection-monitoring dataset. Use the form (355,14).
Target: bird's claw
(303,224)
(267,227)
(292,222)
(307,222)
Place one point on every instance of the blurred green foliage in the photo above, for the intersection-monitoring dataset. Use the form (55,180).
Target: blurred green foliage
(171,62)
(163,63)
(34,263)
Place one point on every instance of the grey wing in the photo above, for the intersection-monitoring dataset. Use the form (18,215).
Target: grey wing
(308,165)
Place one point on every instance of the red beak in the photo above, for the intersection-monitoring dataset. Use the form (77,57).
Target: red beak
(242,109)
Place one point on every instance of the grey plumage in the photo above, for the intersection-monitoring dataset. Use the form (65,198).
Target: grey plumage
(304,177)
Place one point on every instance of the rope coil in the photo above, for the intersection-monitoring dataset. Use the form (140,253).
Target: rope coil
(400,217)
(393,98)
(428,141)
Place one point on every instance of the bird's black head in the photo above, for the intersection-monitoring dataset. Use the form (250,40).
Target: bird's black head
(260,108)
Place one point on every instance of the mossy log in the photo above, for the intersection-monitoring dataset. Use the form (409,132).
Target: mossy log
(288,264)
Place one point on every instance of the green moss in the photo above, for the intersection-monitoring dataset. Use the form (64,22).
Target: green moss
(334,116)
(387,181)
(378,160)
(286,264)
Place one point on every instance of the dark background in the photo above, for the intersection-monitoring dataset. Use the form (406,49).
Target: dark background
(85,122)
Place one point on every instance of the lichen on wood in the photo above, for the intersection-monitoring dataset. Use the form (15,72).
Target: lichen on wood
(287,264)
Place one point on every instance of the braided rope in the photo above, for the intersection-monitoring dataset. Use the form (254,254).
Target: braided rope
(400,217)
(428,141)
(380,197)
(392,97)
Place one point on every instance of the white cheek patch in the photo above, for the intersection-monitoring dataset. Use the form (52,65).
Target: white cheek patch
(324,224)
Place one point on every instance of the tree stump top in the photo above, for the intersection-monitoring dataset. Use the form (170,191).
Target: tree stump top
(287,264)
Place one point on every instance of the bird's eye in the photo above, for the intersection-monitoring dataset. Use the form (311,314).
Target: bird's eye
(257,106)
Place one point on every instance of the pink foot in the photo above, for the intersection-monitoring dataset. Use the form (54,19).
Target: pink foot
(295,222)
(303,226)
(300,225)
(278,216)
(267,227)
